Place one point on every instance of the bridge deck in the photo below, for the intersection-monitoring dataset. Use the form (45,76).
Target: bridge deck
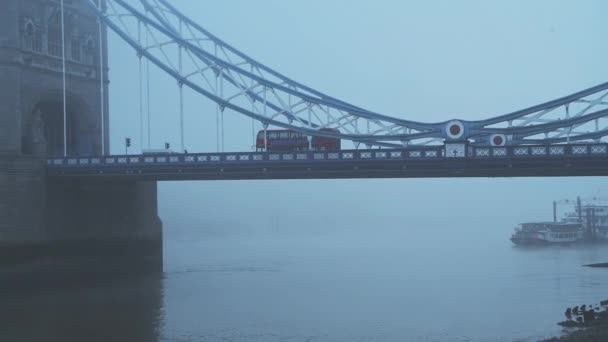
(420,162)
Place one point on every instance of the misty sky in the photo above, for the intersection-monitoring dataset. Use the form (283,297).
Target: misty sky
(426,61)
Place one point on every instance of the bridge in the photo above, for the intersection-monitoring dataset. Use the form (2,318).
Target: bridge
(416,162)
(57,170)
(562,137)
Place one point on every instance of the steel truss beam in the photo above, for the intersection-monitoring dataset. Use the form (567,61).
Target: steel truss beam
(201,61)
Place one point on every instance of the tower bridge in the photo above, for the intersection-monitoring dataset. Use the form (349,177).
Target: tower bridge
(57,170)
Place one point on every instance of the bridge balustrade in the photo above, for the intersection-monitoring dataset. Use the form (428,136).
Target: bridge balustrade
(420,153)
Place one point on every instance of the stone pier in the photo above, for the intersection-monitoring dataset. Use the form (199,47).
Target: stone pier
(51,227)
(53,230)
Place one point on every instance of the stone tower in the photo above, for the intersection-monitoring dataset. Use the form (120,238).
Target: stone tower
(71,220)
(31,87)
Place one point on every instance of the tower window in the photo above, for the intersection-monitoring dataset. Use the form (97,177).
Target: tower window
(75,49)
(54,37)
(31,36)
(29,29)
(89,51)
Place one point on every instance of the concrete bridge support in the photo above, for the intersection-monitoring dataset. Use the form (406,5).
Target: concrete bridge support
(54,230)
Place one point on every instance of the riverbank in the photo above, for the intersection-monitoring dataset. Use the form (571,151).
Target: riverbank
(587,329)
(591,334)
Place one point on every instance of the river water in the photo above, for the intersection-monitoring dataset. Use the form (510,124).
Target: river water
(440,286)
(444,285)
(361,281)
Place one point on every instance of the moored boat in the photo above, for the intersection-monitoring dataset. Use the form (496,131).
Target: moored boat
(547,233)
(587,222)
(593,217)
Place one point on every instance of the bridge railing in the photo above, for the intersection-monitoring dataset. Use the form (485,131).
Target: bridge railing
(539,151)
(434,152)
(406,154)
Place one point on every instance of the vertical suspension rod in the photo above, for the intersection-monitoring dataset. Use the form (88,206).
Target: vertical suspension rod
(141,90)
(265,124)
(265,137)
(101,82)
(65,111)
(148,86)
(222,109)
(181,94)
(253,140)
(217,107)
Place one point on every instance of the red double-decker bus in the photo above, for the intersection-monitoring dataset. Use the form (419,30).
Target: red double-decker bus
(288,140)
(324,143)
(281,140)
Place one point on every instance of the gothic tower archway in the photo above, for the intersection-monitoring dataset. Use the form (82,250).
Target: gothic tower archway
(44,135)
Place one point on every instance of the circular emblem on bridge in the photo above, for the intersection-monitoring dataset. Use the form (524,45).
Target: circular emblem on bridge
(455,129)
(498,140)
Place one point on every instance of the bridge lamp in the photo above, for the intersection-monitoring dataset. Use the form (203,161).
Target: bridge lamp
(127,145)
(167,146)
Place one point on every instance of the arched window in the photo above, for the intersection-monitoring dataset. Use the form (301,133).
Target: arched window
(29,28)
(89,51)
(54,35)
(76,49)
(31,36)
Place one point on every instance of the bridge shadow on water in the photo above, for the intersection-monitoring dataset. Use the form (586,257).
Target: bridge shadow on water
(120,308)
(92,299)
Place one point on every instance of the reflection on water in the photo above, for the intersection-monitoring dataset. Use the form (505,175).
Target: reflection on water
(120,309)
(360,285)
